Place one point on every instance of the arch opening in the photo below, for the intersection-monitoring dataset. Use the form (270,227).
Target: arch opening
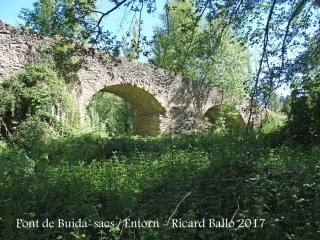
(147,109)
(233,121)
(109,113)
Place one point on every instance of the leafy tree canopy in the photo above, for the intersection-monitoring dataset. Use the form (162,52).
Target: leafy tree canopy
(66,18)
(192,50)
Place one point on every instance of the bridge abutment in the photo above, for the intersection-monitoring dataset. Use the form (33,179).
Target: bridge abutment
(146,125)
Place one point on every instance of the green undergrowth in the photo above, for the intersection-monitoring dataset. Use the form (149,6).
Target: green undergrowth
(273,121)
(189,177)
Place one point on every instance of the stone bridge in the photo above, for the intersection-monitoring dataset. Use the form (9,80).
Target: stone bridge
(163,102)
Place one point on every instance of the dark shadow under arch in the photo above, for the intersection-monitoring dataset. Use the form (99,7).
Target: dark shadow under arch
(233,121)
(147,108)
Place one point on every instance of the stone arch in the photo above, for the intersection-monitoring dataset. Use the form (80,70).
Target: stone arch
(147,108)
(234,122)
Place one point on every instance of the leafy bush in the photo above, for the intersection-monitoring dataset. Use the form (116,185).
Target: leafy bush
(304,117)
(34,99)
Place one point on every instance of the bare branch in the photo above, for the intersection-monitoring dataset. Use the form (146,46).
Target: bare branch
(108,12)
(175,210)
(265,44)
(6,128)
(293,15)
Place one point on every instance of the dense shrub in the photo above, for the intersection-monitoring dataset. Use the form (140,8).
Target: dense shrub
(31,102)
(188,177)
(304,115)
